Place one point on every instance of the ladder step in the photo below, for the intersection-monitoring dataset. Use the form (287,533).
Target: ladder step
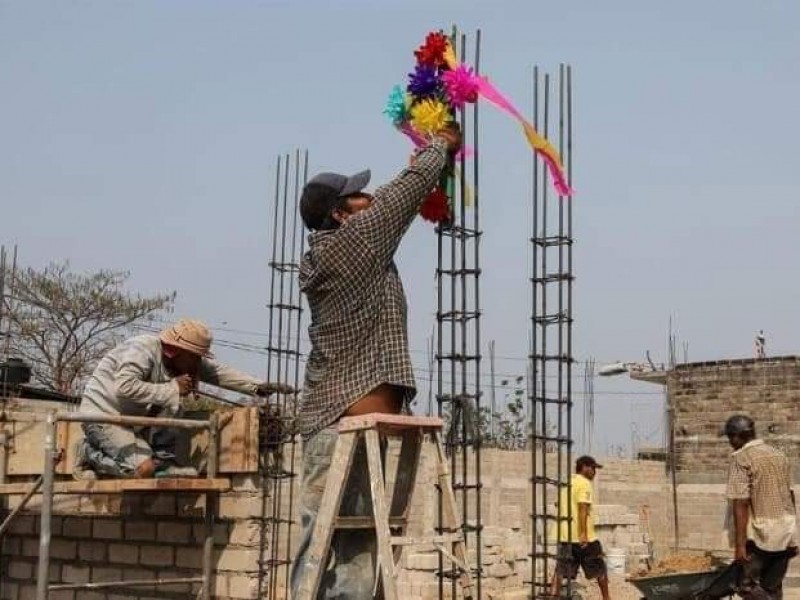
(453,538)
(367,522)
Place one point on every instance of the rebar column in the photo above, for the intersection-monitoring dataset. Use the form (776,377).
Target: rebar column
(458,357)
(278,438)
(551,359)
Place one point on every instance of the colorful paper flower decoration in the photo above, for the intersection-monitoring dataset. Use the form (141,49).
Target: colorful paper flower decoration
(461,86)
(397,106)
(436,207)
(430,116)
(440,86)
(432,52)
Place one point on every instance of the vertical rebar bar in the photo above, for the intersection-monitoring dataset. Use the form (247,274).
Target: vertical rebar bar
(266,482)
(551,336)
(292,441)
(534,345)
(43,573)
(458,352)
(212,461)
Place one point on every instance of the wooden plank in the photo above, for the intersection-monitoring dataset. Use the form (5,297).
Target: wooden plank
(451,520)
(450,538)
(26,446)
(389,422)
(119,486)
(319,548)
(238,441)
(381,513)
(368,522)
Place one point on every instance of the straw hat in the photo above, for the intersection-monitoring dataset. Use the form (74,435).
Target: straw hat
(190,335)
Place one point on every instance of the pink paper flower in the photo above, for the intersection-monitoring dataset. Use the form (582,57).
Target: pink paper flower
(461,85)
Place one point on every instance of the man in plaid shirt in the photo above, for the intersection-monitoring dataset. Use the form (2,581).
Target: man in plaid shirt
(764,522)
(359,361)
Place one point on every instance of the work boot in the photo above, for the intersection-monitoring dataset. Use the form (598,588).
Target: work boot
(80,468)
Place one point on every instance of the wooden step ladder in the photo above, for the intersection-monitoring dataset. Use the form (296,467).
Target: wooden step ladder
(384,520)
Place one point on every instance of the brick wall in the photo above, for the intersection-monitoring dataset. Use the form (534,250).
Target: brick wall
(143,536)
(704,395)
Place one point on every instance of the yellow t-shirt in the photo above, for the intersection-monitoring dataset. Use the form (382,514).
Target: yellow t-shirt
(582,493)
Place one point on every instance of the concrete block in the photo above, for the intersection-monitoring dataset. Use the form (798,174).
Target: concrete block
(22,525)
(233,559)
(123,553)
(77,527)
(21,570)
(140,530)
(9,591)
(157,555)
(107,529)
(63,549)
(189,558)
(159,504)
(75,574)
(240,506)
(30,547)
(422,562)
(174,532)
(499,570)
(245,533)
(92,551)
(242,586)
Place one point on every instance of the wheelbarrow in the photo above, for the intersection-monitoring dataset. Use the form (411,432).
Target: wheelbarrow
(678,586)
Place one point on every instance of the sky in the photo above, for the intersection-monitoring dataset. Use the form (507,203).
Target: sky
(143,136)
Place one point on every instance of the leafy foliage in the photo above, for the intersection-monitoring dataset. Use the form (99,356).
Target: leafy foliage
(63,322)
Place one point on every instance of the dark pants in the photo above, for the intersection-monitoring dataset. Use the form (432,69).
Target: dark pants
(761,578)
(571,557)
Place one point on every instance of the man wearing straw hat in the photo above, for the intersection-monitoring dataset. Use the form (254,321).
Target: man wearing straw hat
(150,375)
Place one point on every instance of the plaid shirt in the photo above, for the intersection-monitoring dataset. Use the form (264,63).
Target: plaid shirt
(358,330)
(762,474)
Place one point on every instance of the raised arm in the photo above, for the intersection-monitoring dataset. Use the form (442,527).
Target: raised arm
(220,375)
(397,203)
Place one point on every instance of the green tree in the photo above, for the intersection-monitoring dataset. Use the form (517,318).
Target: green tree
(62,322)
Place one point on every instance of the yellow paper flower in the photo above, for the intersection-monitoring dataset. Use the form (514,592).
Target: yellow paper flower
(429,116)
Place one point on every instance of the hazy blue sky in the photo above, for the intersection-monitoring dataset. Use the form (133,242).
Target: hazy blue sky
(143,135)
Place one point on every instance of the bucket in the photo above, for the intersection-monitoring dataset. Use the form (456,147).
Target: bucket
(615,560)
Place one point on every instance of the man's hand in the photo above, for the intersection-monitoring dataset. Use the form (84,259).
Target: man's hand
(740,555)
(452,135)
(185,384)
(584,540)
(267,389)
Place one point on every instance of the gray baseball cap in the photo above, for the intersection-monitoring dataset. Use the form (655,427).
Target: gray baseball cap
(322,192)
(341,185)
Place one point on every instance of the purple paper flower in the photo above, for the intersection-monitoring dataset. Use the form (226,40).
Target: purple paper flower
(423,82)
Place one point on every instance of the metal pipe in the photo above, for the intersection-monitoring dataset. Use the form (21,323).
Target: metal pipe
(130,583)
(3,456)
(212,462)
(43,575)
(79,417)
(34,488)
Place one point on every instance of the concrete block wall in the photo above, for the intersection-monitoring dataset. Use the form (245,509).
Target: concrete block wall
(704,395)
(140,536)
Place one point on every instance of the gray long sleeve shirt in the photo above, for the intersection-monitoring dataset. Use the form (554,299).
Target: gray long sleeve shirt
(133,375)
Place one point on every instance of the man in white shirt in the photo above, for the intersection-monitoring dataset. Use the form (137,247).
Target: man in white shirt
(150,375)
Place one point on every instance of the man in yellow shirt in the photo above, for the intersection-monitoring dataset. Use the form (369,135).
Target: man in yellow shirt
(578,546)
